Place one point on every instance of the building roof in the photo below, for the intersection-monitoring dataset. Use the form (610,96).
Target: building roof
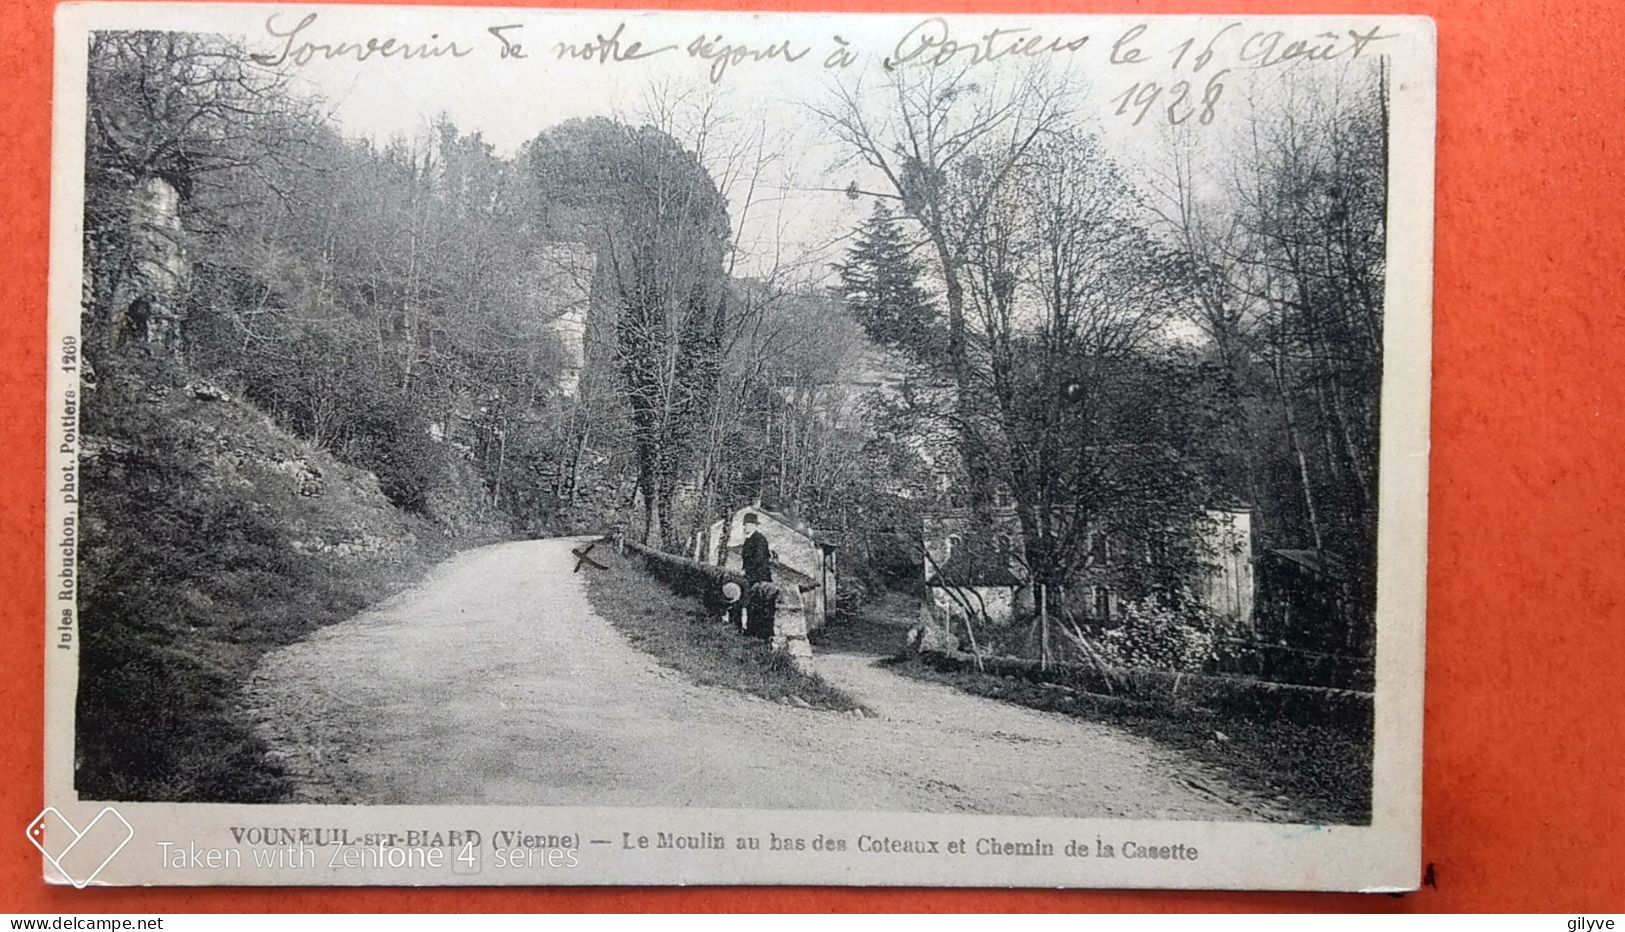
(795,524)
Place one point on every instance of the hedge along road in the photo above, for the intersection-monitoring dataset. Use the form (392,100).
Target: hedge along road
(493,682)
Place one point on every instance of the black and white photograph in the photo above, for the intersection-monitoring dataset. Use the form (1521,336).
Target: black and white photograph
(691,447)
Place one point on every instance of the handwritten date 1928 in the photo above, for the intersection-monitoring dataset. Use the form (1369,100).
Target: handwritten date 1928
(1178,101)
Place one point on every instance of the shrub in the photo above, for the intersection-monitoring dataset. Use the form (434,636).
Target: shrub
(1156,637)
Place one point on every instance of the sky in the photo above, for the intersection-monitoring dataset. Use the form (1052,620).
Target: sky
(508,75)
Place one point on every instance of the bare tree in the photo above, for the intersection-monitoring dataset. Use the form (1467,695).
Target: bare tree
(1067,291)
(1282,272)
(170,115)
(937,123)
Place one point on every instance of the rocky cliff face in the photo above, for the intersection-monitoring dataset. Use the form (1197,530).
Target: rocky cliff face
(150,291)
(562,293)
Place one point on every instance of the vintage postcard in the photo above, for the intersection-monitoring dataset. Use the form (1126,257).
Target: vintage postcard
(521,446)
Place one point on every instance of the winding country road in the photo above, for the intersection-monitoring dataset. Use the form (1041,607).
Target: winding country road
(494,682)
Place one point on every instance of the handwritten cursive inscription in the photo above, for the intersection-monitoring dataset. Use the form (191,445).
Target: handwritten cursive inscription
(604,49)
(932,42)
(1180,83)
(300,51)
(1266,49)
(721,53)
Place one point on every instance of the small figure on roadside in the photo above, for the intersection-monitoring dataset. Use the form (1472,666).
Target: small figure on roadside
(757,555)
(758,560)
(733,604)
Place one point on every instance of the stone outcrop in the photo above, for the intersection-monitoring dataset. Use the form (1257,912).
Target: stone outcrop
(326,507)
(149,296)
(206,391)
(562,294)
(307,477)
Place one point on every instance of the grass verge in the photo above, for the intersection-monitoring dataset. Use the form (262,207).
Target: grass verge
(1321,772)
(679,633)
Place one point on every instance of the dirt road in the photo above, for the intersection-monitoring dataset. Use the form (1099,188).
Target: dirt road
(494,682)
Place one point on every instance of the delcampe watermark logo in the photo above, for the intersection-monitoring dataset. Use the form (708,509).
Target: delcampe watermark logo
(79,854)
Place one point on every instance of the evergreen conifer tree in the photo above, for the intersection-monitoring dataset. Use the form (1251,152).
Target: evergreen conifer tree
(880,280)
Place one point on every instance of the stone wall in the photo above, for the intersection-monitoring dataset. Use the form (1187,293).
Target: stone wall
(1240,696)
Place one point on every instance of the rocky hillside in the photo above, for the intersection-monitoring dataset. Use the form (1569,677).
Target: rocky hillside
(211,535)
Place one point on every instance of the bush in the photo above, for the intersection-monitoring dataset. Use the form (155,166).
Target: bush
(397,448)
(1156,637)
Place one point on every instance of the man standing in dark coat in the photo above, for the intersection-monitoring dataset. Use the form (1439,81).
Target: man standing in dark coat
(758,559)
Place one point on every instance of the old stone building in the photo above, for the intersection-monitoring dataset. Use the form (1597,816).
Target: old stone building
(800,555)
(967,562)
(971,574)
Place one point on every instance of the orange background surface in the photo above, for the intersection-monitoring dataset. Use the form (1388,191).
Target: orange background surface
(1524,782)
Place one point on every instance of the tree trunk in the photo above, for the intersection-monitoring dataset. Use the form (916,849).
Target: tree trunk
(1296,447)
(977,469)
